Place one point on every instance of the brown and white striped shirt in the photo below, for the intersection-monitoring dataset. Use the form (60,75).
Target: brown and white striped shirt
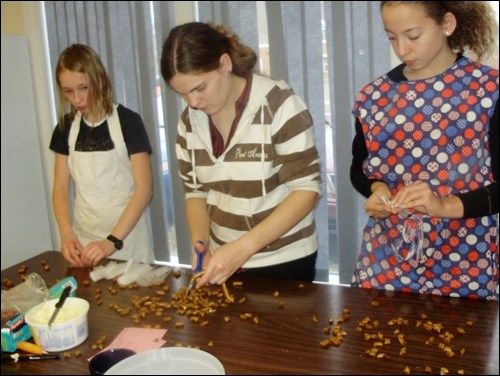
(244,185)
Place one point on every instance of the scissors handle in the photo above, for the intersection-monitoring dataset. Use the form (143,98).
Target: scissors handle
(199,257)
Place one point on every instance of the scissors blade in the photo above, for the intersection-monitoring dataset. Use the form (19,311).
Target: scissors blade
(198,270)
(192,281)
(189,288)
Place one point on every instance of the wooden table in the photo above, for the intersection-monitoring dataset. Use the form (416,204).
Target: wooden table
(293,320)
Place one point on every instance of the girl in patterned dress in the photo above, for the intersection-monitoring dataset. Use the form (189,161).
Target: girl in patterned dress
(425,155)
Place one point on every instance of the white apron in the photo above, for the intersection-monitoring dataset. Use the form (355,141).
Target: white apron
(104,185)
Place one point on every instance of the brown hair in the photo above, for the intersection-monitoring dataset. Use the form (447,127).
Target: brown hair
(196,47)
(476,30)
(83,59)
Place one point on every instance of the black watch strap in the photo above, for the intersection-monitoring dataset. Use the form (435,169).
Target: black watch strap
(117,242)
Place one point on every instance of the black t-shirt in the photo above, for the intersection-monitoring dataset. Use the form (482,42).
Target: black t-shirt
(98,138)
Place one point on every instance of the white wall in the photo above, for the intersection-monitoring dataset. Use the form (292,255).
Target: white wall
(25,228)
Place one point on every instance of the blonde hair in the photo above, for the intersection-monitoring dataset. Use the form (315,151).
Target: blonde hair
(83,59)
(477,28)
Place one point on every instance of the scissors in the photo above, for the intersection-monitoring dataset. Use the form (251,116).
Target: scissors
(198,272)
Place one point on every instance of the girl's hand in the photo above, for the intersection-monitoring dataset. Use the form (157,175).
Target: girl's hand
(377,205)
(419,196)
(71,249)
(223,263)
(95,251)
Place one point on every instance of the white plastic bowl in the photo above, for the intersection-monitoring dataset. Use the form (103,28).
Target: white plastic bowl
(68,330)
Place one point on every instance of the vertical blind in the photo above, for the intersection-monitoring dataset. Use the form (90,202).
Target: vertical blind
(325,50)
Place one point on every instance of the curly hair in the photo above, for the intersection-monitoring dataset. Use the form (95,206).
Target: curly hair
(477,28)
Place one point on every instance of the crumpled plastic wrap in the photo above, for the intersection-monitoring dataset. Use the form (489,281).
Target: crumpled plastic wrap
(25,295)
(131,272)
(111,270)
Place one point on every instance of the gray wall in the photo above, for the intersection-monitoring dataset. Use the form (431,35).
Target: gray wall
(25,213)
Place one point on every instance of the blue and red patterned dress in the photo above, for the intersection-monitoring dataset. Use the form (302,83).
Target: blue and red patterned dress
(435,130)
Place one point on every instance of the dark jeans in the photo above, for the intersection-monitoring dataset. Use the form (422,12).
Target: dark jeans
(302,269)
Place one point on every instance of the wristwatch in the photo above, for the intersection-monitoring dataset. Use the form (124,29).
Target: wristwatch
(117,242)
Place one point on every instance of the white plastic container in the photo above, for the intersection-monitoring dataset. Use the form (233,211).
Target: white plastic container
(68,330)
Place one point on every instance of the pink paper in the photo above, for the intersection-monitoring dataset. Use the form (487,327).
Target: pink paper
(138,339)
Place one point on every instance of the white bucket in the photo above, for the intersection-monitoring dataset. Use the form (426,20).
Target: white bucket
(68,330)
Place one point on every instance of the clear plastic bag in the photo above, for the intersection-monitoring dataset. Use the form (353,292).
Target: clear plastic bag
(25,295)
(412,238)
